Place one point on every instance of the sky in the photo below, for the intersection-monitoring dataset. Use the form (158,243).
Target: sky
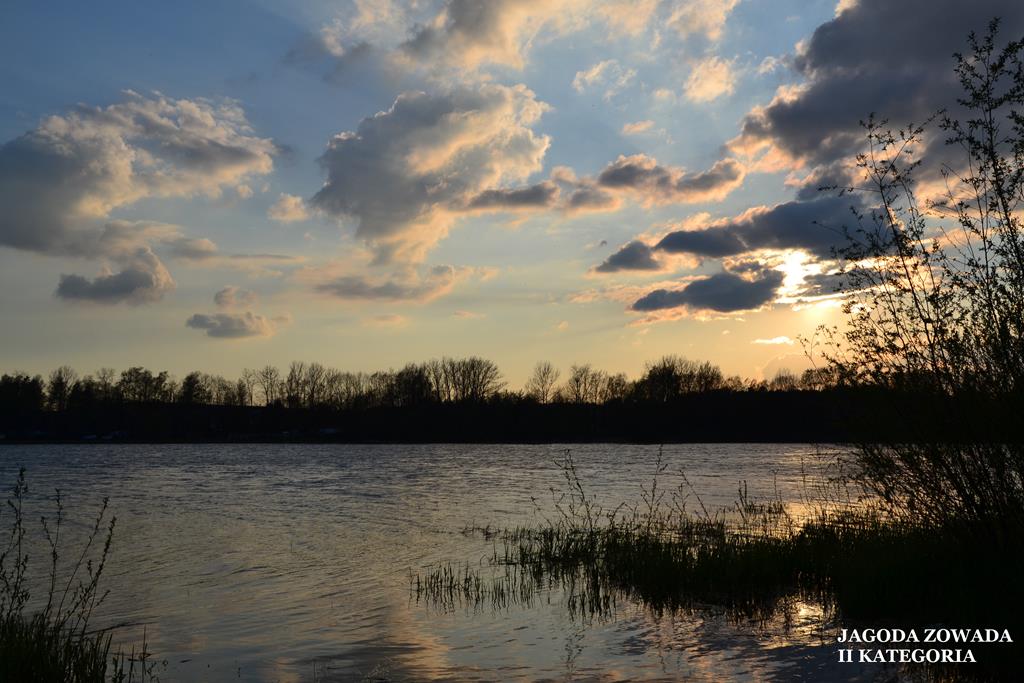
(218,185)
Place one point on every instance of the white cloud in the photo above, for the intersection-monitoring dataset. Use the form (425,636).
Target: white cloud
(774,341)
(288,209)
(710,79)
(457,39)
(406,173)
(230,323)
(637,127)
(607,75)
(59,181)
(701,17)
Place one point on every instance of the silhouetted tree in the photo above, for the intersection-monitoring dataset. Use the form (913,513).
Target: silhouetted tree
(584,385)
(21,393)
(314,383)
(411,386)
(671,376)
(784,380)
(541,385)
(616,387)
(269,379)
(295,384)
(195,389)
(139,385)
(58,389)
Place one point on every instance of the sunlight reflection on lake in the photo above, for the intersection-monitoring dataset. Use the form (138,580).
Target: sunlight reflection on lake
(292,562)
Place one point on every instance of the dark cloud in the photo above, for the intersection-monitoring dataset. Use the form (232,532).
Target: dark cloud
(142,280)
(713,242)
(815,226)
(234,325)
(358,287)
(892,58)
(588,198)
(723,292)
(642,174)
(634,256)
(437,282)
(536,196)
(231,297)
(639,176)
(838,282)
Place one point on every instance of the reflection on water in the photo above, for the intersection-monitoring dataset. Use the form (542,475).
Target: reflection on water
(292,562)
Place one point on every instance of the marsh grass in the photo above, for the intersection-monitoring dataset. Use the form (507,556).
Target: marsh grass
(55,640)
(754,561)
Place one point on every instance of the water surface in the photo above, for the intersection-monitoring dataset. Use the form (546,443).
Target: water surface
(293,562)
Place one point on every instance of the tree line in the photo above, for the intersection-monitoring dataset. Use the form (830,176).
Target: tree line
(311,385)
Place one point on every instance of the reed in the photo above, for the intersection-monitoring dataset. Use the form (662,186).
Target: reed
(755,560)
(57,640)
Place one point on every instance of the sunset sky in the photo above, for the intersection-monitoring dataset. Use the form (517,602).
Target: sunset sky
(217,185)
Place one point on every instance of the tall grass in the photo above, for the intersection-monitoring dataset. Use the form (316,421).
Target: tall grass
(754,560)
(55,640)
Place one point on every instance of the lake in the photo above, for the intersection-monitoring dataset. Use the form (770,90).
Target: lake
(293,562)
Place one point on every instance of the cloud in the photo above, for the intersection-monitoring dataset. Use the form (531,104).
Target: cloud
(192,248)
(58,179)
(467,34)
(456,40)
(645,177)
(710,79)
(410,286)
(608,75)
(794,363)
(770,65)
(231,297)
(723,292)
(283,258)
(288,209)
(637,127)
(406,173)
(866,60)
(774,341)
(119,239)
(707,17)
(143,279)
(235,325)
(634,256)
(837,283)
(814,226)
(581,195)
(541,195)
(639,176)
(468,315)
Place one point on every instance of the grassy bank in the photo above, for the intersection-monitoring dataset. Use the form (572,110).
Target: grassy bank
(864,566)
